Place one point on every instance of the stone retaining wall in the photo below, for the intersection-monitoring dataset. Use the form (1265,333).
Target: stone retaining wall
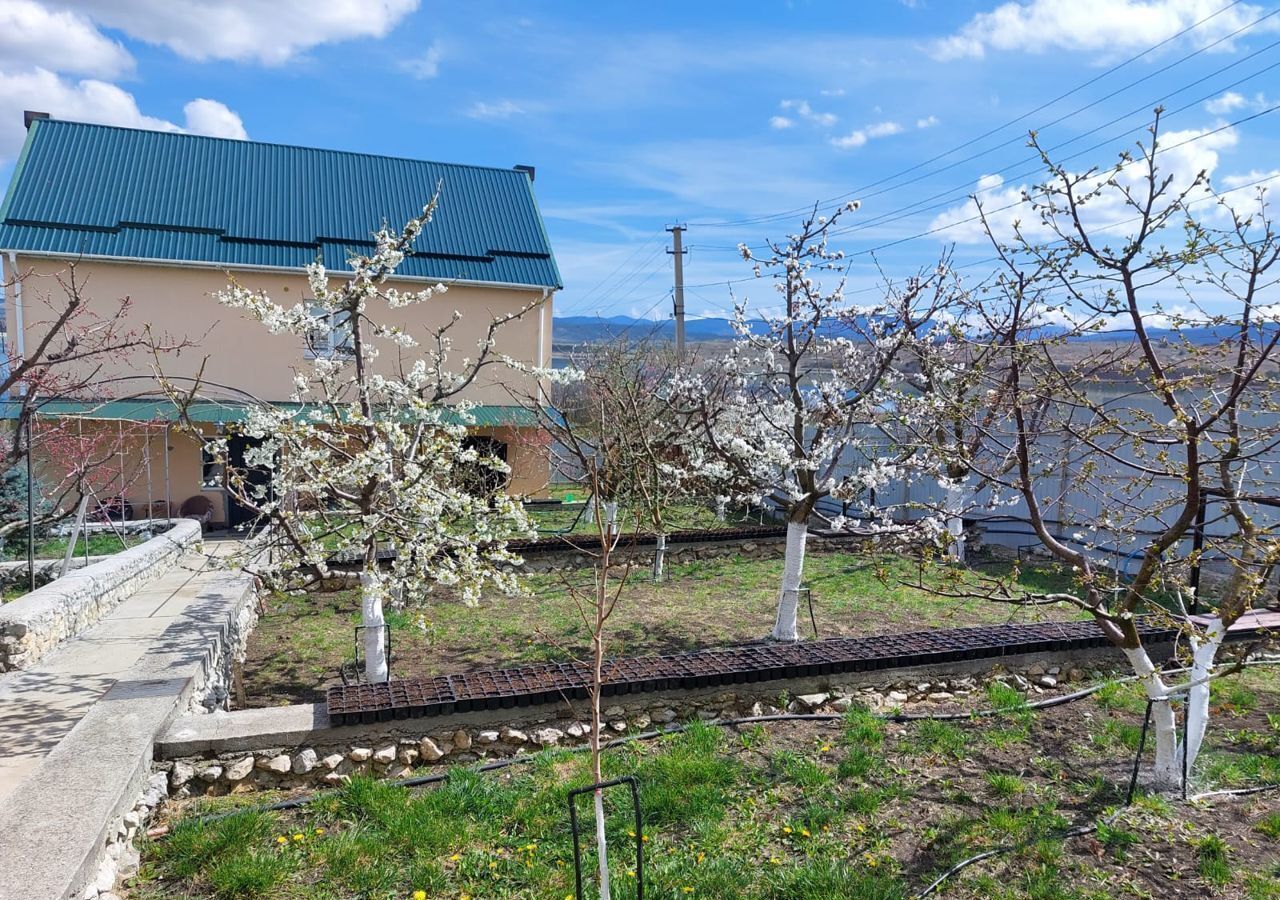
(286,748)
(33,625)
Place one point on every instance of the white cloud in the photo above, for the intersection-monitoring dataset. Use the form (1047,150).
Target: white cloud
(425,66)
(503,109)
(1232,101)
(927,122)
(33,35)
(1094,26)
(859,138)
(214,119)
(780,122)
(833,92)
(883,129)
(1185,154)
(91,100)
(1226,103)
(1252,178)
(245,30)
(802,109)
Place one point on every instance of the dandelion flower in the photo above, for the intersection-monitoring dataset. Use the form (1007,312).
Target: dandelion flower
(319,831)
(455,857)
(686,889)
(786,829)
(419,895)
(282,840)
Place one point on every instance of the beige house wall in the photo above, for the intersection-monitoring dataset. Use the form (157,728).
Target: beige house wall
(177,302)
(239,357)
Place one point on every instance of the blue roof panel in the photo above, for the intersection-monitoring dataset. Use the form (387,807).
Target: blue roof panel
(99,190)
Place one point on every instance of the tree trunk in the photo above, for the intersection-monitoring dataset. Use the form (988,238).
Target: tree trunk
(597,661)
(1203,653)
(611,518)
(955,523)
(1167,772)
(785,627)
(721,503)
(375,634)
(659,558)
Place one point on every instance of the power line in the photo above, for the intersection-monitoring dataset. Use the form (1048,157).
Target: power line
(790,213)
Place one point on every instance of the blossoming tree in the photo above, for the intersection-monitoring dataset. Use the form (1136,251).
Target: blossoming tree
(789,414)
(375,470)
(1137,461)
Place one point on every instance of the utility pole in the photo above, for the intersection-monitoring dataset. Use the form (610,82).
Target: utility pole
(677,252)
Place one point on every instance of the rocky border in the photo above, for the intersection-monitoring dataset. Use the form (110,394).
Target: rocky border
(33,625)
(197,766)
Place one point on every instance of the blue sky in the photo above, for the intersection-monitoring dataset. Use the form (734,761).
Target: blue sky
(638,116)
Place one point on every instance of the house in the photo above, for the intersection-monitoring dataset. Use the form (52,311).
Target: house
(166,219)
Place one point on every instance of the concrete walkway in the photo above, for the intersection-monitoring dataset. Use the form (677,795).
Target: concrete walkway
(41,705)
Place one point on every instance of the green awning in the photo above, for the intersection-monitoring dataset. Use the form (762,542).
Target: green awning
(208,411)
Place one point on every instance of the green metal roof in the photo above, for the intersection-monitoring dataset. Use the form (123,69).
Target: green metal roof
(163,410)
(97,190)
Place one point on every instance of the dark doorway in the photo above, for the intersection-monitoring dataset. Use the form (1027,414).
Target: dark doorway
(480,478)
(239,515)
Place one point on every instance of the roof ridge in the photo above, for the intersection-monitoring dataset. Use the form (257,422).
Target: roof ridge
(246,141)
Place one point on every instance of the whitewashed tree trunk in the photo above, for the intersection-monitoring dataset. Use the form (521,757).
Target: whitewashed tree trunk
(611,518)
(955,522)
(785,627)
(375,634)
(601,846)
(1203,652)
(659,557)
(721,503)
(1167,773)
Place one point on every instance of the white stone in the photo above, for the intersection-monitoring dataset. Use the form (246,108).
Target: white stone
(399,770)
(359,754)
(304,761)
(281,764)
(211,774)
(812,701)
(336,778)
(1047,681)
(240,770)
(384,756)
(941,695)
(548,737)
(332,761)
(576,729)
(181,774)
(429,750)
(407,756)
(513,736)
(618,726)
(130,859)
(614,712)
(664,716)
(641,722)
(841,704)
(487,737)
(461,740)
(898,697)
(106,877)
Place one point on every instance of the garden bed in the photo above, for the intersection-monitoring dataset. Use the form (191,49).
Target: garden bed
(300,642)
(848,808)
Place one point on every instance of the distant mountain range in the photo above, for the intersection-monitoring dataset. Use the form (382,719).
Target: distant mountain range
(570,330)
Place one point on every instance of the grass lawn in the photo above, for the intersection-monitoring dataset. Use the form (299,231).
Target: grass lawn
(295,651)
(100,544)
(786,811)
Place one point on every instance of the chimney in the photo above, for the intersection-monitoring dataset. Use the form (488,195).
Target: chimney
(29,116)
(528,170)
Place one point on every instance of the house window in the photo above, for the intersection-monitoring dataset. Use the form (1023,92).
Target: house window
(335,340)
(210,469)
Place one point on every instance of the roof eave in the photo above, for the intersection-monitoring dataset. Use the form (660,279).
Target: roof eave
(223,267)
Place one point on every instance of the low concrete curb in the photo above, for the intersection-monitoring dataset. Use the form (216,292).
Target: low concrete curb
(33,625)
(55,826)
